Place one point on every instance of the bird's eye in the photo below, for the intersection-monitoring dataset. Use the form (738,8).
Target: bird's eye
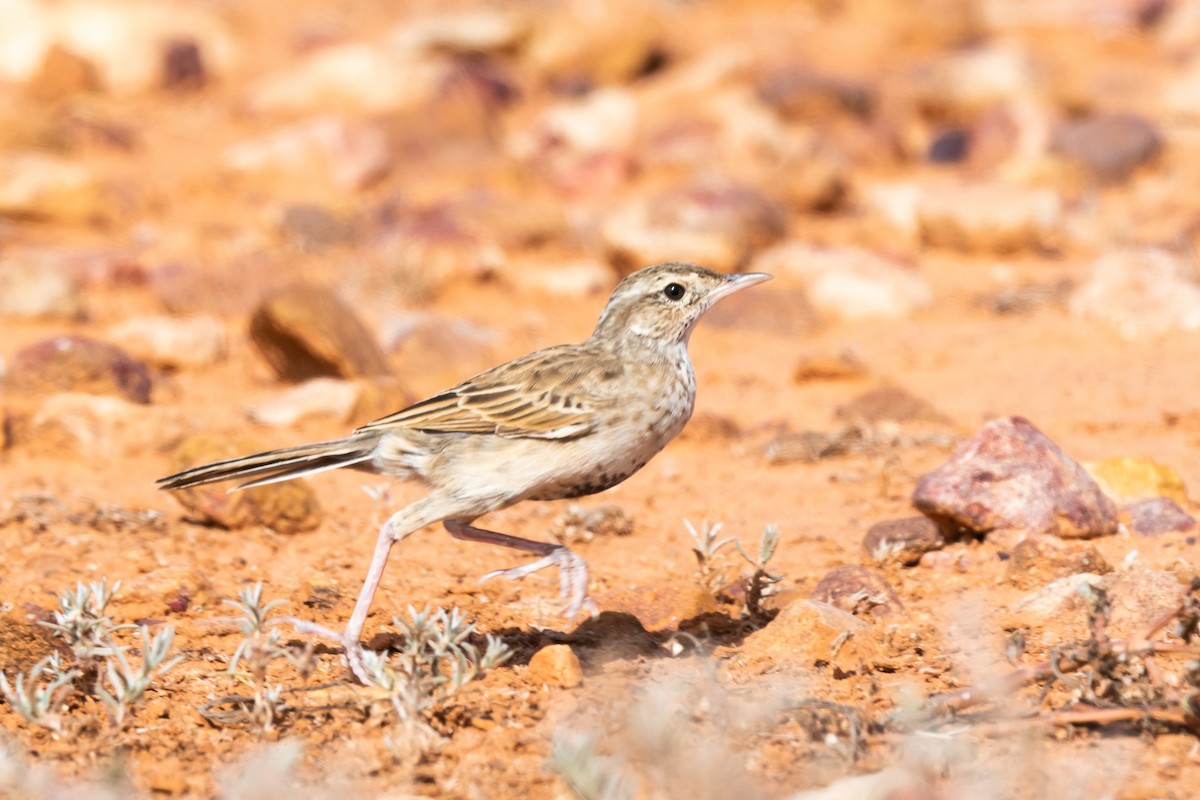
(673,291)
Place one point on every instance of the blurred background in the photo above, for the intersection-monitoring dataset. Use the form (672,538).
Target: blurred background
(212,150)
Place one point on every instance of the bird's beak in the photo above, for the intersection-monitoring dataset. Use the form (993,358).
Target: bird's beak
(736,282)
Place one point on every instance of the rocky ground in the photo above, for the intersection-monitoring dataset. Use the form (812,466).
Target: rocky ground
(967,404)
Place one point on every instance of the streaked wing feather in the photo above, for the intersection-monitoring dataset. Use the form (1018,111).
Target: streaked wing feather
(544,395)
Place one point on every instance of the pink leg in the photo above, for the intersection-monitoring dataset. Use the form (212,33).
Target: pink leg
(572,569)
(398,527)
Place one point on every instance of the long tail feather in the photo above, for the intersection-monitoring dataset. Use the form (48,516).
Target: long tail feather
(277,465)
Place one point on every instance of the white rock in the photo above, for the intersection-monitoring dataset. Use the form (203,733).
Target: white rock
(357,76)
(605,120)
(352,155)
(989,216)
(330,397)
(567,279)
(478,31)
(172,342)
(31,288)
(848,282)
(1142,292)
(977,77)
(103,426)
(41,185)
(1057,597)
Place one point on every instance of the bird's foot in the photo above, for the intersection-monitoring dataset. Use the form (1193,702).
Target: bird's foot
(350,646)
(572,575)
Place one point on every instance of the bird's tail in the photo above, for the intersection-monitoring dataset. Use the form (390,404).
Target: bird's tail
(278,465)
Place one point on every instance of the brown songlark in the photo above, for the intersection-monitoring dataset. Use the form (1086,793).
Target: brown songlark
(562,422)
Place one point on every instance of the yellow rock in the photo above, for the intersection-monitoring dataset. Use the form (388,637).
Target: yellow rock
(288,507)
(556,665)
(1129,478)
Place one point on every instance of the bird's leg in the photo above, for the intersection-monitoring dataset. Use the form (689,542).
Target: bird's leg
(572,570)
(398,527)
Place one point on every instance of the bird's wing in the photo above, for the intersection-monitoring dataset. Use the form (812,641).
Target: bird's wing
(550,394)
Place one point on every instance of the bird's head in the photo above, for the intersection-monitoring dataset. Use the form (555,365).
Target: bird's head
(664,302)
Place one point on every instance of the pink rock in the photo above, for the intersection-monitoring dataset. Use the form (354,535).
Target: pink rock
(79,364)
(1009,475)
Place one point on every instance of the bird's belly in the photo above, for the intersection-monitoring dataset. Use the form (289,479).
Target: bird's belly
(609,458)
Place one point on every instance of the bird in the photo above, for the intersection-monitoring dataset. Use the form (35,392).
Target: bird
(561,422)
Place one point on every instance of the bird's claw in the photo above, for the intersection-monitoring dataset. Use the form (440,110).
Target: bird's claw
(572,575)
(352,649)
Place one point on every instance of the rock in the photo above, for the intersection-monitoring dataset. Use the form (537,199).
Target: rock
(1057,599)
(1139,597)
(1155,516)
(1009,475)
(659,606)
(62,75)
(442,350)
(799,93)
(845,366)
(556,665)
(972,79)
(328,397)
(902,541)
(889,404)
(811,635)
(849,283)
(348,155)
(305,331)
(422,250)
(183,66)
(352,76)
(78,364)
(949,146)
(471,32)
(33,286)
(573,279)
(944,561)
(1129,478)
(287,507)
(989,217)
(1109,146)
(584,144)
(718,224)
(173,342)
(1141,292)
(585,45)
(100,426)
(1181,93)
(42,186)
(783,311)
(1037,560)
(314,229)
(515,221)
(857,590)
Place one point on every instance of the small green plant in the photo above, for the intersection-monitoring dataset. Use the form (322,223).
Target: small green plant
(761,582)
(591,776)
(434,663)
(100,664)
(127,685)
(80,621)
(39,696)
(712,567)
(259,648)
